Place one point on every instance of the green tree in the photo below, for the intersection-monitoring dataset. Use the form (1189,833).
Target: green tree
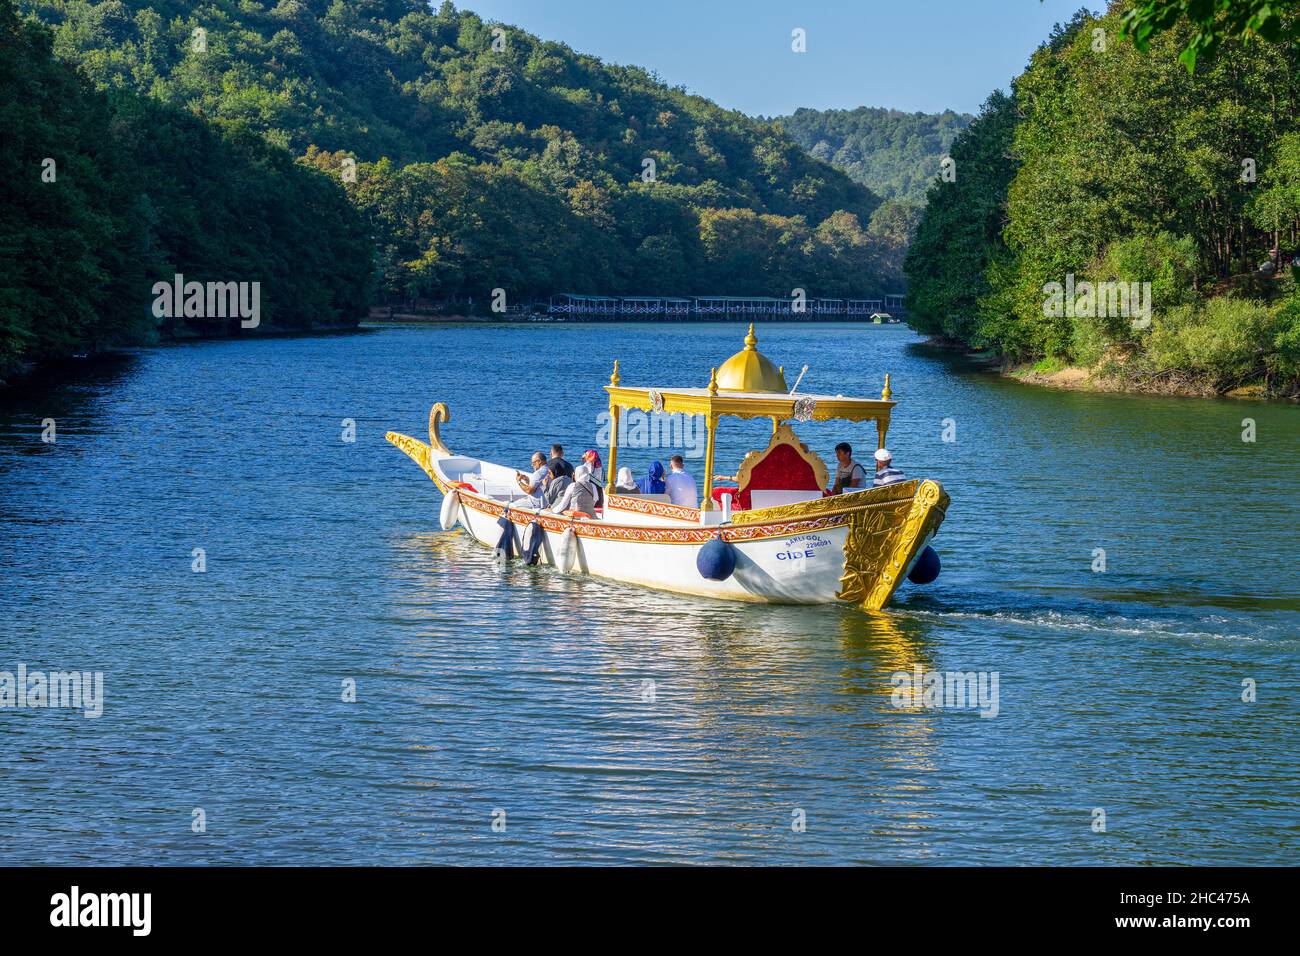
(960,232)
(107,193)
(1212,22)
(1114,165)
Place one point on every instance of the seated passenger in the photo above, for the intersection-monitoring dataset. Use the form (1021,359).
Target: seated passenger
(682,489)
(557,483)
(534,485)
(591,458)
(848,474)
(557,454)
(625,484)
(886,473)
(653,482)
(581,494)
(598,489)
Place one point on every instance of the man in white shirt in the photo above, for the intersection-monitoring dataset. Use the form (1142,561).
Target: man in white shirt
(680,486)
(534,485)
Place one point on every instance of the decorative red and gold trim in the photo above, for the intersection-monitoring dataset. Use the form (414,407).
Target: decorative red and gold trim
(647,534)
(660,509)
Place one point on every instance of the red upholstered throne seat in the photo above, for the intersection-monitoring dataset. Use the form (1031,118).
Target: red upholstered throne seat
(785,464)
(780,469)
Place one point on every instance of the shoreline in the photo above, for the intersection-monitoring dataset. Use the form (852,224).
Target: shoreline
(378,318)
(1100,380)
(26,372)
(1076,378)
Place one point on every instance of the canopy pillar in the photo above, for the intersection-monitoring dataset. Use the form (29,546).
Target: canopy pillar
(882,424)
(615,413)
(711,432)
(711,428)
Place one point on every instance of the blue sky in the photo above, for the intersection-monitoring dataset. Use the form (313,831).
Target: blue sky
(908,54)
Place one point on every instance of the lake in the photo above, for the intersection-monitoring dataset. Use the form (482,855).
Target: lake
(601,723)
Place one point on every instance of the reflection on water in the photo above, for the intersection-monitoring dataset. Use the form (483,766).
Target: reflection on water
(613,723)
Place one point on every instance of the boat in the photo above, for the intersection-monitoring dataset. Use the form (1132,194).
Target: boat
(771,533)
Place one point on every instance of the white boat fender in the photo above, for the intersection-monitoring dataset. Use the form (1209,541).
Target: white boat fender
(717,559)
(567,553)
(450,509)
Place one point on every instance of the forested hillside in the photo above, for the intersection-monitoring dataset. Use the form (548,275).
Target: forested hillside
(1111,164)
(105,194)
(894,154)
(488,158)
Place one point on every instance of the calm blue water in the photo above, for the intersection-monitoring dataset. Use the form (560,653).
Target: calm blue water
(478,692)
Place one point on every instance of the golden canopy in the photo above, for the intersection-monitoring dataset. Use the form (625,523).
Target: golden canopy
(755,388)
(749,370)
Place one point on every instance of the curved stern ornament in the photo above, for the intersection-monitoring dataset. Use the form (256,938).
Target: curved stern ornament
(423,454)
(438,414)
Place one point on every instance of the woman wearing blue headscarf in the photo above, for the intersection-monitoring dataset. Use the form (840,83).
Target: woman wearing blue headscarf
(653,482)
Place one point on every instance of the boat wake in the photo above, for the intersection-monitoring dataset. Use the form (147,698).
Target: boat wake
(1094,617)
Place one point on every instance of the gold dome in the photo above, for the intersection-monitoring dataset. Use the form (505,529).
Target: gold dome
(750,371)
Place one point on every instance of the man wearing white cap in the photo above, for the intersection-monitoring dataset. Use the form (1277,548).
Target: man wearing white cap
(886,473)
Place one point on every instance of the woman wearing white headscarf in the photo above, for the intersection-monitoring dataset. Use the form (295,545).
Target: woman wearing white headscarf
(582,495)
(625,484)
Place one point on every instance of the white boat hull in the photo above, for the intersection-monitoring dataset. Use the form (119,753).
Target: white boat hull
(855,547)
(800,568)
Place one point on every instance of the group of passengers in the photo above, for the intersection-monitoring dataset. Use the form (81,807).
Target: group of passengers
(677,483)
(849,474)
(555,485)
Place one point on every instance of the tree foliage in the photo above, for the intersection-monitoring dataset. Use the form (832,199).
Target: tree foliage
(562,172)
(892,153)
(106,193)
(960,232)
(1211,22)
(1117,165)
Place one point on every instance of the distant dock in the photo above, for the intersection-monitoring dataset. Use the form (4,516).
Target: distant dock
(572,307)
(720,307)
